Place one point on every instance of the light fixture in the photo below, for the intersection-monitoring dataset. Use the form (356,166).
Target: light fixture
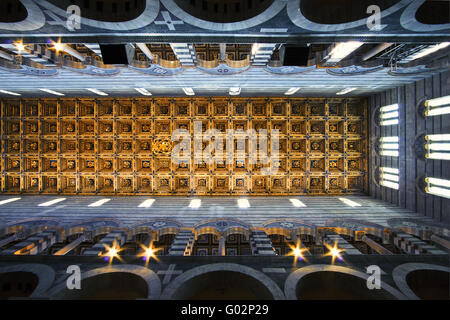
(143,91)
(189,91)
(243,203)
(389,139)
(100,93)
(19,46)
(438,182)
(388,153)
(442,101)
(195,203)
(112,252)
(437,191)
(297,251)
(389,184)
(438,156)
(52,92)
(389,115)
(99,203)
(437,111)
(438,142)
(389,146)
(390,170)
(438,106)
(149,252)
(392,107)
(345,91)
(10,93)
(58,46)
(297,203)
(342,50)
(428,50)
(389,177)
(438,137)
(349,202)
(389,122)
(8,200)
(291,91)
(438,146)
(51,202)
(334,252)
(235,91)
(146,203)
(438,187)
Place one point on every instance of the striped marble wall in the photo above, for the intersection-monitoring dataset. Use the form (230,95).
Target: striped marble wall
(411,125)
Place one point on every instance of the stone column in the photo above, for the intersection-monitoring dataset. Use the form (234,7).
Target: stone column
(223,51)
(222,250)
(8,240)
(375,246)
(145,50)
(443,242)
(70,246)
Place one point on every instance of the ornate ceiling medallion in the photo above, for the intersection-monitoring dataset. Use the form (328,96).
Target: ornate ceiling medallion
(161,146)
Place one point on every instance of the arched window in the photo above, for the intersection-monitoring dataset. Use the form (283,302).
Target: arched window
(437,146)
(438,106)
(389,146)
(438,187)
(389,115)
(389,177)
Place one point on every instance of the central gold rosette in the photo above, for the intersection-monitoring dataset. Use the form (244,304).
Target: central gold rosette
(161,146)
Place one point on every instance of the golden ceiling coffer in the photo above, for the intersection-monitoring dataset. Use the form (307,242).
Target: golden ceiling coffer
(124,146)
(161,146)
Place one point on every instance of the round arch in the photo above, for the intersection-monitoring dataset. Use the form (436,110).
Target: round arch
(158,226)
(45,274)
(33,224)
(350,227)
(149,15)
(222,227)
(171,289)
(294,278)
(300,20)
(287,227)
(266,15)
(150,277)
(96,226)
(401,272)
